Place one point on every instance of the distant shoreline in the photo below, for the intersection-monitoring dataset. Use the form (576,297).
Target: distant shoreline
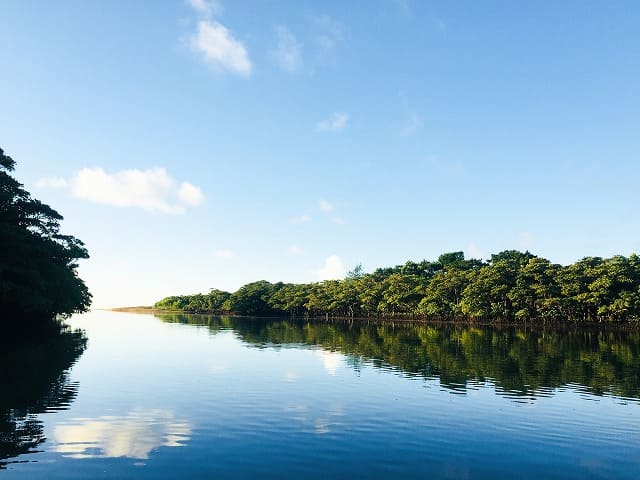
(422,320)
(140,310)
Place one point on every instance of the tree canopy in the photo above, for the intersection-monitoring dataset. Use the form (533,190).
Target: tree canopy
(38,278)
(510,286)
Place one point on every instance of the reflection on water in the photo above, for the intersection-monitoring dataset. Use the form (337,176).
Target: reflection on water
(34,379)
(252,398)
(330,360)
(524,364)
(311,422)
(131,436)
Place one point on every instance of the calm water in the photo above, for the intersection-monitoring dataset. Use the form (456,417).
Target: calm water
(204,397)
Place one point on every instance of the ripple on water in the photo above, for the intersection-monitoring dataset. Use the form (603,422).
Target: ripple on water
(236,399)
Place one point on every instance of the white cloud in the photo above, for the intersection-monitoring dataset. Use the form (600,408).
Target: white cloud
(152,190)
(215,43)
(224,253)
(220,49)
(133,436)
(206,8)
(295,250)
(338,220)
(325,206)
(288,52)
(189,194)
(300,219)
(333,269)
(413,124)
(52,182)
(330,32)
(335,123)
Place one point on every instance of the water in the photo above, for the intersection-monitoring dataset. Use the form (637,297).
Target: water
(202,397)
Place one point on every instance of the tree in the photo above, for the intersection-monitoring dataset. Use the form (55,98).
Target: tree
(512,285)
(253,298)
(443,293)
(400,295)
(38,278)
(536,291)
(357,272)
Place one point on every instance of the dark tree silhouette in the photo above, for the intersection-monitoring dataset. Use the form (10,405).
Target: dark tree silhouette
(34,379)
(38,278)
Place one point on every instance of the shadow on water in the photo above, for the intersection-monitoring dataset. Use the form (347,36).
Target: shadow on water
(523,364)
(34,379)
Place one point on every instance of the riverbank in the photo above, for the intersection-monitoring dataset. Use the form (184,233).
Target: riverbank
(399,319)
(141,309)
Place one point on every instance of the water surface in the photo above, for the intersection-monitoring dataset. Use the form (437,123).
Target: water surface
(201,396)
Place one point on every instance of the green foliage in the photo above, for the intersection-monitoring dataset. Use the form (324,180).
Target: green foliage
(253,299)
(211,302)
(357,272)
(512,286)
(38,264)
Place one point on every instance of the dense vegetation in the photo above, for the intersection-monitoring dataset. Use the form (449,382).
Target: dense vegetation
(520,361)
(511,286)
(38,277)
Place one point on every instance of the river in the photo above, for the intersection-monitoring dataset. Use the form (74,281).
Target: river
(188,396)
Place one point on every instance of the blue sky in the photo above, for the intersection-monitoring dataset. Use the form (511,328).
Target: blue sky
(198,144)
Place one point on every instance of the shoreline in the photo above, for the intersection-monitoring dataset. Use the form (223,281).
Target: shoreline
(140,309)
(532,323)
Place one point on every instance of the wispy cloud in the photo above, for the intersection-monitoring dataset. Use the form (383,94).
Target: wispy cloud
(412,125)
(328,207)
(151,190)
(288,51)
(224,253)
(329,32)
(333,269)
(220,49)
(215,43)
(206,8)
(295,250)
(325,206)
(335,123)
(300,219)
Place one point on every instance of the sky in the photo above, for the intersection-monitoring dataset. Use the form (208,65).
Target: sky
(194,144)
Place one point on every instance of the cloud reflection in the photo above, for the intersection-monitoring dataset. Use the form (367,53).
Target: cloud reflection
(134,435)
(330,360)
(319,423)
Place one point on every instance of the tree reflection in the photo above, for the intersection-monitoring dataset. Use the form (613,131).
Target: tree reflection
(34,379)
(519,361)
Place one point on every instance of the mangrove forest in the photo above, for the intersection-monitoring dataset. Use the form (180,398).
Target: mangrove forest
(510,286)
